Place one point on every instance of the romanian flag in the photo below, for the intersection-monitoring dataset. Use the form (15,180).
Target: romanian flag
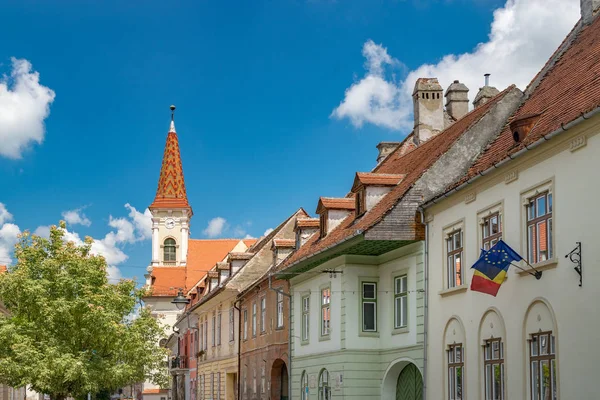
(491,268)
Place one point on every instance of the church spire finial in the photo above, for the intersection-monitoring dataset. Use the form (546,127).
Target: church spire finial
(172,128)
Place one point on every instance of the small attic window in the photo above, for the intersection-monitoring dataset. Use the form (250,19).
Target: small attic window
(323,224)
(360,198)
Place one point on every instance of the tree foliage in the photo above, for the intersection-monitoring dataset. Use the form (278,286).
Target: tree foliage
(69,331)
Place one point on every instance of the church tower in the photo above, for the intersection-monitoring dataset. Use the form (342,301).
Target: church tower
(170,209)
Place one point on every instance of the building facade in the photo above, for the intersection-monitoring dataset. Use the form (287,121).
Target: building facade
(531,188)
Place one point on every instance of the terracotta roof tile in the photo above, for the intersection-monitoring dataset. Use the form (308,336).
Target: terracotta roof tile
(240,256)
(307,223)
(171,185)
(412,164)
(570,87)
(167,280)
(373,179)
(3,269)
(284,243)
(331,203)
(155,391)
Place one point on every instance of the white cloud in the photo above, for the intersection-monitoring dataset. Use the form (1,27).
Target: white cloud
(249,236)
(268,231)
(142,222)
(43,231)
(9,233)
(5,216)
(24,105)
(216,227)
(523,35)
(76,217)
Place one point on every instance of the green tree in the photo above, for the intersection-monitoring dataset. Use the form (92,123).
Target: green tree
(69,331)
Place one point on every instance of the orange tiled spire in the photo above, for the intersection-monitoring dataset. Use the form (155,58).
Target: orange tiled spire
(171,185)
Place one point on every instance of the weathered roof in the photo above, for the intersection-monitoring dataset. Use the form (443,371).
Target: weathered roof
(374,179)
(171,185)
(331,203)
(284,242)
(239,256)
(411,164)
(569,88)
(307,223)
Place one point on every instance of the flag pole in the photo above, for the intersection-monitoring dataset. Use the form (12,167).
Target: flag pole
(538,274)
(530,273)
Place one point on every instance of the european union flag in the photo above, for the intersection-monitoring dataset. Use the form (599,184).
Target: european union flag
(491,268)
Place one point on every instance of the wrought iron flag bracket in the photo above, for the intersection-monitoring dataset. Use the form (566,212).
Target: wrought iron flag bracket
(575,257)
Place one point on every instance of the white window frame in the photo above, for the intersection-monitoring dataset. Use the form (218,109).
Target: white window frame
(245,324)
(325,302)
(280,310)
(263,314)
(401,296)
(304,386)
(219,328)
(254,309)
(483,215)
(368,301)
(305,304)
(526,195)
(450,281)
(214,329)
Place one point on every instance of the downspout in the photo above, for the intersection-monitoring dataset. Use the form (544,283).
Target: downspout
(196,355)
(239,371)
(426,300)
(289,296)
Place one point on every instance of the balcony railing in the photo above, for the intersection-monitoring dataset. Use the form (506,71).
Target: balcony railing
(179,363)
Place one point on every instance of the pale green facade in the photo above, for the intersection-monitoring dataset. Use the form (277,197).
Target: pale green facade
(361,365)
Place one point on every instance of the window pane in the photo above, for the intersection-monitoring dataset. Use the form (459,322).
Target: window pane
(535,381)
(404,281)
(451,383)
(458,354)
(542,240)
(552,350)
(451,282)
(369,316)
(531,243)
(368,290)
(459,383)
(541,206)
(488,381)
(553,373)
(549,202)
(404,320)
(545,379)
(494,226)
(497,383)
(496,350)
(550,255)
(451,356)
(544,345)
(458,240)
(449,244)
(458,269)
(486,228)
(534,347)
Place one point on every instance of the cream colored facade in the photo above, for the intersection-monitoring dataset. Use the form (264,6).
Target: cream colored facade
(566,167)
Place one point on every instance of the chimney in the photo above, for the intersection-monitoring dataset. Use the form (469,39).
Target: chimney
(589,10)
(429,110)
(485,93)
(385,148)
(457,100)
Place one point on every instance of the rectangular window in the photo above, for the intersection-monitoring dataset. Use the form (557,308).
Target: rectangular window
(361,202)
(197,343)
(305,317)
(325,311)
(212,385)
(456,370)
(245,379)
(454,247)
(214,329)
(202,336)
(542,372)
(263,315)
(539,228)
(493,369)
(245,324)
(231,325)
(369,307)
(201,387)
(400,301)
(262,380)
(254,319)
(491,230)
(254,380)
(219,329)
(205,334)
(279,310)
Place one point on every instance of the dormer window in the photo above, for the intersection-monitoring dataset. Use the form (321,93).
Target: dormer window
(323,224)
(169,249)
(369,188)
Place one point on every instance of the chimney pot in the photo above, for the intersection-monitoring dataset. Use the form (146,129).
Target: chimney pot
(428,109)
(385,148)
(457,100)
(487,79)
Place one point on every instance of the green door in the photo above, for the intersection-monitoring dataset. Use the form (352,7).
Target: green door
(410,384)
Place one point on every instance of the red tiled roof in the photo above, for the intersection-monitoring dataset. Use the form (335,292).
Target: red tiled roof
(331,203)
(569,88)
(155,391)
(369,178)
(307,223)
(240,256)
(412,164)
(284,242)
(202,256)
(171,185)
(3,269)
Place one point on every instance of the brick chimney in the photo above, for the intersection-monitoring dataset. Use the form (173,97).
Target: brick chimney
(429,109)
(457,100)
(589,10)
(485,93)
(385,148)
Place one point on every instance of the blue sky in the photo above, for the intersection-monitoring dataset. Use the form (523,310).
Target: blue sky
(256,84)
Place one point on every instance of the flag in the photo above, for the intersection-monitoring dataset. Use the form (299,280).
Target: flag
(491,268)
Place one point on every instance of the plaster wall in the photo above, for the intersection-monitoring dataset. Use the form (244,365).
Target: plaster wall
(566,165)
(375,194)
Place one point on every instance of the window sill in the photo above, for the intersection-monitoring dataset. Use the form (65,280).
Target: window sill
(368,334)
(454,290)
(541,266)
(399,331)
(324,338)
(280,328)
(304,343)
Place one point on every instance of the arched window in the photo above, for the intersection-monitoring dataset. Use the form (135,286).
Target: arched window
(324,389)
(169,250)
(304,386)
